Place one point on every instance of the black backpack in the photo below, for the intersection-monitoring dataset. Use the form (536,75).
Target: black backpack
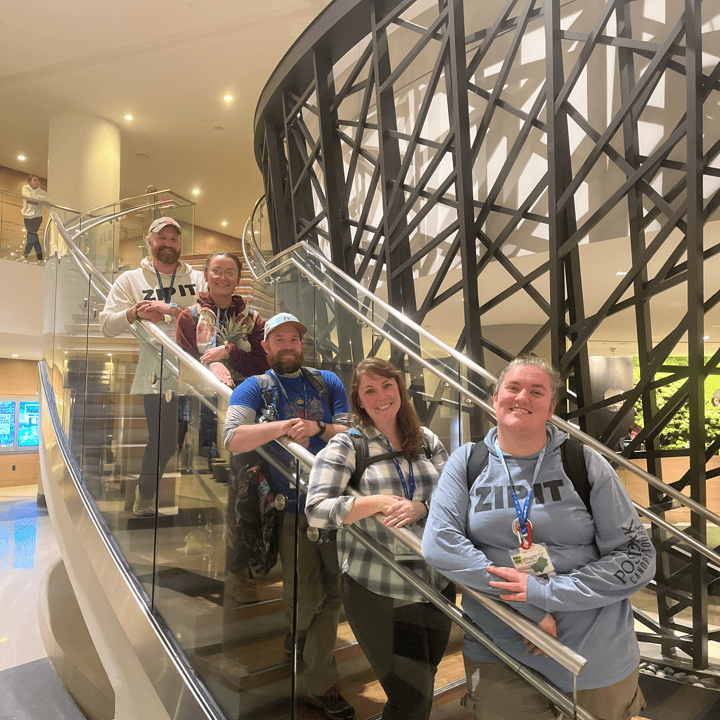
(573,460)
(254,523)
(360,444)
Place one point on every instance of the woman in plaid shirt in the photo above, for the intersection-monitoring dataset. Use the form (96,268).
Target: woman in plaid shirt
(402,635)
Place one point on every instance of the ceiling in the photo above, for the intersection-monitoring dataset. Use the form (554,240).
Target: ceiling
(169,64)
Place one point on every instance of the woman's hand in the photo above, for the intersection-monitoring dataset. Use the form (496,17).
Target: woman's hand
(402,511)
(222,373)
(216,354)
(548,625)
(514,581)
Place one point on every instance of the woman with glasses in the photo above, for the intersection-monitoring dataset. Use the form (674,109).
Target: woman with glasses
(220,330)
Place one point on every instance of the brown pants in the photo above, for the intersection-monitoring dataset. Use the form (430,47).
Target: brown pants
(495,692)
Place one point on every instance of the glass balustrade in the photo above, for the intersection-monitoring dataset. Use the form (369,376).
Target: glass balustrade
(13,234)
(179,550)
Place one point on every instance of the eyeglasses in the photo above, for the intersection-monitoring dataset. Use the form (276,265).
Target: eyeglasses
(230,274)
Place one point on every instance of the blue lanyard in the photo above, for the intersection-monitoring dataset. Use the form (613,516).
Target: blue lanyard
(285,395)
(522,513)
(411,474)
(167,294)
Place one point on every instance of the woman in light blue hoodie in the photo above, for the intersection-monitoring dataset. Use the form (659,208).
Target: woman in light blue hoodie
(523,534)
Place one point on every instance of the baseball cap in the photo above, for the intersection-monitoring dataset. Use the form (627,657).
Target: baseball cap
(283,319)
(160,223)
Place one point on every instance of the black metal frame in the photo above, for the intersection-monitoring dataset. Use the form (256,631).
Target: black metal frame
(380,121)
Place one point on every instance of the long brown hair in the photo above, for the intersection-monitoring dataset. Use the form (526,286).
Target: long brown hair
(407,421)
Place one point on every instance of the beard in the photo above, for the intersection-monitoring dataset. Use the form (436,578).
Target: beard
(285,362)
(167,255)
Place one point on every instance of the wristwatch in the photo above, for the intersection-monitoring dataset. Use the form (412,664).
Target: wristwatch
(322,427)
(172,306)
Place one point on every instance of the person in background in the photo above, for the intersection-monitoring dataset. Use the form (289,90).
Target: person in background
(633,431)
(220,330)
(299,413)
(156,292)
(32,211)
(521,532)
(402,635)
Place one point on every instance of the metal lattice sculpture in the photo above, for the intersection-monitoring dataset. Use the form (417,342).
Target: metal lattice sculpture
(554,162)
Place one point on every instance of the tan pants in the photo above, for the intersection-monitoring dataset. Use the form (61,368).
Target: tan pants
(318,609)
(495,692)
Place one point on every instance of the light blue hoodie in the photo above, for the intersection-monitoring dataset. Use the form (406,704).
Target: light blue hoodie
(600,560)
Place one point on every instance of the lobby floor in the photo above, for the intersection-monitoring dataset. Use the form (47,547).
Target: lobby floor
(29,687)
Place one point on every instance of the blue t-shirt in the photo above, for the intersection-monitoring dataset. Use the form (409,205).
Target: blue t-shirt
(296,398)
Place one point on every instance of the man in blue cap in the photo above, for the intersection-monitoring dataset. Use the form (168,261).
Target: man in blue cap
(309,407)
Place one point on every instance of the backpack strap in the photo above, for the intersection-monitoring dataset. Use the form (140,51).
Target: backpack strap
(476,462)
(360,444)
(268,390)
(318,384)
(573,460)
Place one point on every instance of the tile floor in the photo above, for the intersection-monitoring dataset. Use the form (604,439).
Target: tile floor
(29,687)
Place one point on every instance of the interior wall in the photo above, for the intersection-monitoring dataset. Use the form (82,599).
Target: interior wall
(18,378)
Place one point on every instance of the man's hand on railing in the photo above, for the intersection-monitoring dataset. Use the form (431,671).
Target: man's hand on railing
(151,310)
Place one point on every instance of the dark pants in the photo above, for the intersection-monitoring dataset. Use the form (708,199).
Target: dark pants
(32,242)
(404,646)
(162,419)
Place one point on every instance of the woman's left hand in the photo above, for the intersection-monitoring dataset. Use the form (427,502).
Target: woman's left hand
(216,354)
(403,512)
(222,374)
(514,581)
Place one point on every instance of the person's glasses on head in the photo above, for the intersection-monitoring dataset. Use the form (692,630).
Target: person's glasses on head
(230,273)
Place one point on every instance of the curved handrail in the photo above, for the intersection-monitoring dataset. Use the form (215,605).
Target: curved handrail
(545,642)
(167,639)
(44,203)
(474,367)
(249,237)
(97,210)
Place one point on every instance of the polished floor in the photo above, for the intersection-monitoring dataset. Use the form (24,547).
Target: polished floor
(29,687)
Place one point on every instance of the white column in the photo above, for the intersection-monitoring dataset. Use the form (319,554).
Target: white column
(83,161)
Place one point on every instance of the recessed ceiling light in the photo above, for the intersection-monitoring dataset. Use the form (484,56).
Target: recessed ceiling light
(22,158)
(128,117)
(224,223)
(15,355)
(706,337)
(109,354)
(228,98)
(621,273)
(196,191)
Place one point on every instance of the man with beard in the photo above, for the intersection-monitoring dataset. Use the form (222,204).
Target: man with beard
(156,292)
(302,413)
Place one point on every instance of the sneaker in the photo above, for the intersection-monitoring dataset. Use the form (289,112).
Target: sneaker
(242,587)
(195,543)
(288,646)
(333,704)
(142,507)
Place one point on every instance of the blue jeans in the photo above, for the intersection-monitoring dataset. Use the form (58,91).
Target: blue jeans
(32,225)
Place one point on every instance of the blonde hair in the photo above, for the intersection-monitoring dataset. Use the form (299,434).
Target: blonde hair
(532,360)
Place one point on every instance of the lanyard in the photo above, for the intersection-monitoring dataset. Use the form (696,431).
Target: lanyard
(411,475)
(285,395)
(167,294)
(522,513)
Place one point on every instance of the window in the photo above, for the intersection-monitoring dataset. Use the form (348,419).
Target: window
(19,425)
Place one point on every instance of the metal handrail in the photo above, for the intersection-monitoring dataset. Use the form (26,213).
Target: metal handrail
(545,642)
(45,203)
(93,211)
(175,653)
(249,223)
(474,367)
